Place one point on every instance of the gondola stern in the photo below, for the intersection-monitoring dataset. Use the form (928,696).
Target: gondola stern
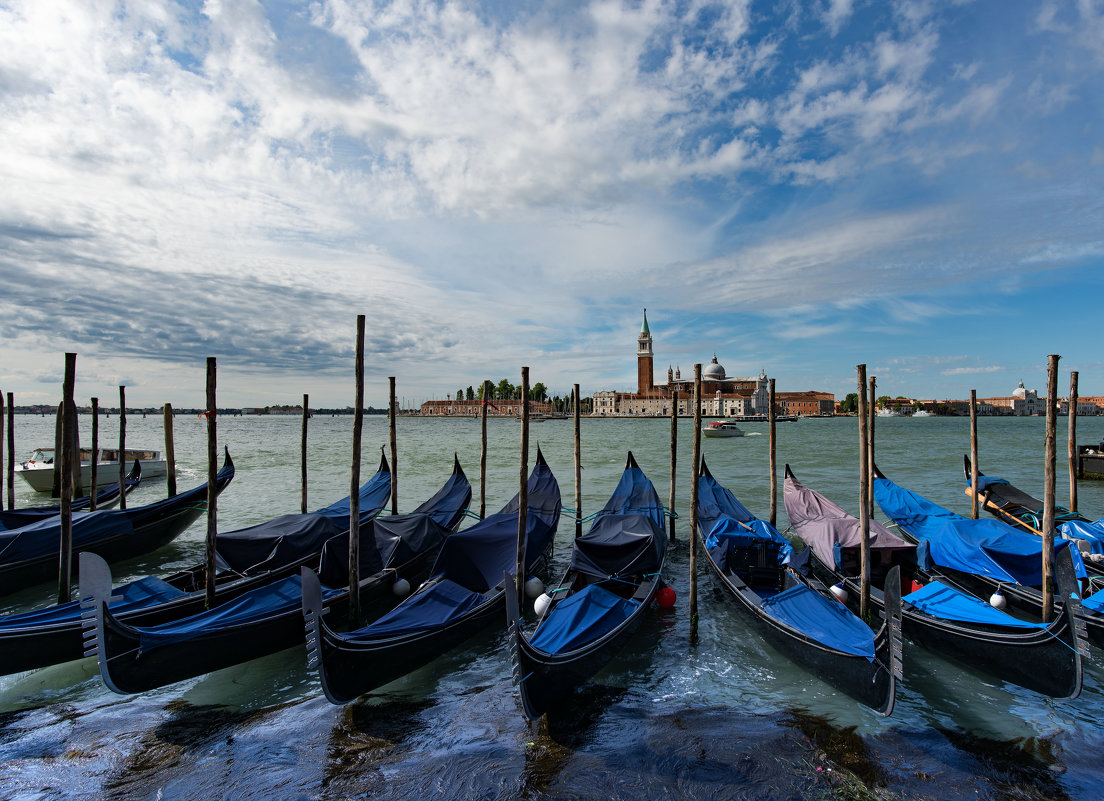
(630,462)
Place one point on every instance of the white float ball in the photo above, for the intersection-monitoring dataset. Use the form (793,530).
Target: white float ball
(534,587)
(840,592)
(1096,557)
(540,606)
(997,600)
(401,588)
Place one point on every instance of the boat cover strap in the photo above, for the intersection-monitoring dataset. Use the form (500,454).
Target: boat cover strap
(828,622)
(436,606)
(583,617)
(948,603)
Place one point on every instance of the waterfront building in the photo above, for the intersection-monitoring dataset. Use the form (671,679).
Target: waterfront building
(471,408)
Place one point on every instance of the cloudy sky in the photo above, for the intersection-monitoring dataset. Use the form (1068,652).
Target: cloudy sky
(796,186)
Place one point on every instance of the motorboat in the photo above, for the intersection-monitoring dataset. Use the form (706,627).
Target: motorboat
(38,470)
(722,428)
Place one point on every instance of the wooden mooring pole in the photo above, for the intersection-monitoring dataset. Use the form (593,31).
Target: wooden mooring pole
(864,497)
(483,449)
(1073,442)
(11,450)
(170,450)
(1,447)
(393,411)
(771,426)
(695,472)
(973,455)
(354,482)
(674,463)
(94,467)
(59,422)
(873,410)
(578,465)
(69,413)
(303,455)
(523,488)
(1048,485)
(212,481)
(122,445)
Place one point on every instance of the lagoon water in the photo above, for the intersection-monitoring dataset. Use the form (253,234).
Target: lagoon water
(727,718)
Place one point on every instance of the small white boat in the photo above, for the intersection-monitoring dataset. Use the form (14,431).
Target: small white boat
(38,470)
(888,413)
(923,413)
(722,428)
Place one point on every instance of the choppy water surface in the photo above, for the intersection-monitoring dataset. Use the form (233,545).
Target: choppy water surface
(728,718)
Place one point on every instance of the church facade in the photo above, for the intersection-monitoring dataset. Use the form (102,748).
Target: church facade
(722,395)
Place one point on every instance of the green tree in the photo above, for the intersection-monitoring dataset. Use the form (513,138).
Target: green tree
(504,390)
(459,394)
(850,403)
(538,392)
(469,393)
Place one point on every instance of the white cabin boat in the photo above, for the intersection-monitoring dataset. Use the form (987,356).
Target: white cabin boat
(38,470)
(722,428)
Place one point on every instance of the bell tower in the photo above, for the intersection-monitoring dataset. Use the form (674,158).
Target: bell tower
(644,380)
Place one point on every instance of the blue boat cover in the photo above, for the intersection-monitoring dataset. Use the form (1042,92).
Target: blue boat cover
(828,529)
(289,539)
(384,542)
(827,622)
(273,599)
(982,547)
(1095,601)
(634,493)
(41,539)
(715,502)
(138,594)
(584,617)
(1092,533)
(728,533)
(947,603)
(620,545)
(436,606)
(985,482)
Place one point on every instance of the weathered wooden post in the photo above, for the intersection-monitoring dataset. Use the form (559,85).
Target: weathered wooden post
(483,449)
(170,450)
(212,481)
(870,456)
(864,497)
(393,410)
(578,466)
(1073,441)
(771,426)
(73,421)
(1048,486)
(65,557)
(674,462)
(973,455)
(93,469)
(303,455)
(11,450)
(354,484)
(122,445)
(1,447)
(695,472)
(59,421)
(523,489)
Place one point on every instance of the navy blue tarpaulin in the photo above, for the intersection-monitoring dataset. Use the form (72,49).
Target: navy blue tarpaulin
(1091,533)
(620,545)
(138,594)
(582,618)
(947,603)
(436,606)
(825,621)
(982,547)
(729,533)
(384,542)
(42,538)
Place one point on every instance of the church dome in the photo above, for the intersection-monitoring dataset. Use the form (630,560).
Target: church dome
(1020,391)
(713,371)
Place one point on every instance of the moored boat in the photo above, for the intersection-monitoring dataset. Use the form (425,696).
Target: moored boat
(722,428)
(106,497)
(611,580)
(38,470)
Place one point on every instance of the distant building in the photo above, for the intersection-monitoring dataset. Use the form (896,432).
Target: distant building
(722,395)
(1022,402)
(466,408)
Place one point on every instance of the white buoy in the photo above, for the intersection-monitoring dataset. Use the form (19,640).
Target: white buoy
(401,588)
(997,600)
(840,592)
(1096,557)
(540,606)
(534,587)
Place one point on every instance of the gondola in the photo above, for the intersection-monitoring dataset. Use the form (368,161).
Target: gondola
(29,555)
(988,556)
(936,614)
(464,594)
(612,578)
(1015,507)
(106,497)
(796,613)
(268,619)
(52,635)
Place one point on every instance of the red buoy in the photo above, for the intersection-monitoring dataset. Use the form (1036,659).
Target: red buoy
(665,597)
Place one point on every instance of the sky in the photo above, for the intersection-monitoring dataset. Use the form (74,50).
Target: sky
(798,187)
